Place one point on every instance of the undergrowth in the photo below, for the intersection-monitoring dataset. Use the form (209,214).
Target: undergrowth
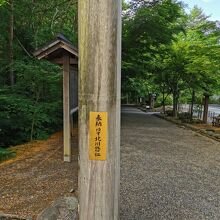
(6,154)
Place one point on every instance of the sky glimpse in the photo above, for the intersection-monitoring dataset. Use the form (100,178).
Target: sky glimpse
(210,7)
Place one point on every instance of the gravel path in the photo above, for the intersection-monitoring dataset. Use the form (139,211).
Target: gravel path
(167,172)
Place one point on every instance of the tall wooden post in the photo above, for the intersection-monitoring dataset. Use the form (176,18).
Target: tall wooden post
(66,108)
(206,108)
(99,91)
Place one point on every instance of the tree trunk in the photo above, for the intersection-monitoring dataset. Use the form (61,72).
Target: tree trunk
(175,104)
(175,100)
(99,94)
(163,102)
(10,42)
(206,108)
(192,105)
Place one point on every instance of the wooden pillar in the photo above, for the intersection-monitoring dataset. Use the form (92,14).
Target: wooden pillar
(99,91)
(66,108)
(152,102)
(206,108)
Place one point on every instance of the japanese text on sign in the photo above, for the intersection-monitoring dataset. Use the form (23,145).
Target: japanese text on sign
(98,135)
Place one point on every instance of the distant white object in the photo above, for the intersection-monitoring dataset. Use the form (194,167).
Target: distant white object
(74,110)
(147,107)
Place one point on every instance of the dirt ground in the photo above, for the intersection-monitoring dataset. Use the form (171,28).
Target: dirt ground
(37,176)
(207,126)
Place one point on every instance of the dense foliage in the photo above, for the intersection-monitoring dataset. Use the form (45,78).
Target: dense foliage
(167,52)
(31,90)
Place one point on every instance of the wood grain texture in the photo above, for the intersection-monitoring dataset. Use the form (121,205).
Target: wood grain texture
(66,108)
(99,90)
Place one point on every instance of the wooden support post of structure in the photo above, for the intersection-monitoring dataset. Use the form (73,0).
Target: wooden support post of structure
(206,108)
(99,91)
(66,108)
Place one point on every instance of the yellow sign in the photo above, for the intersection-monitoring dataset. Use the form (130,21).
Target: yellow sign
(98,123)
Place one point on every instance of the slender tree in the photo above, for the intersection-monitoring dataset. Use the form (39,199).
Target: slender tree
(10,41)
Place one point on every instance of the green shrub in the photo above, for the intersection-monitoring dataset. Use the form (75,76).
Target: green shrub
(32,109)
(169,112)
(184,117)
(6,154)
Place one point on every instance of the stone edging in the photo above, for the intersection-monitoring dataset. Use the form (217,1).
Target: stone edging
(197,130)
(11,217)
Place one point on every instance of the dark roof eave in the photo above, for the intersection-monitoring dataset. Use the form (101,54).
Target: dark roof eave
(59,43)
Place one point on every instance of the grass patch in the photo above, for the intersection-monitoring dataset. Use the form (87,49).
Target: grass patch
(6,154)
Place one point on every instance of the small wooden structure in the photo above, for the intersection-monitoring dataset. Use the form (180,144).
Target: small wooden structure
(62,52)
